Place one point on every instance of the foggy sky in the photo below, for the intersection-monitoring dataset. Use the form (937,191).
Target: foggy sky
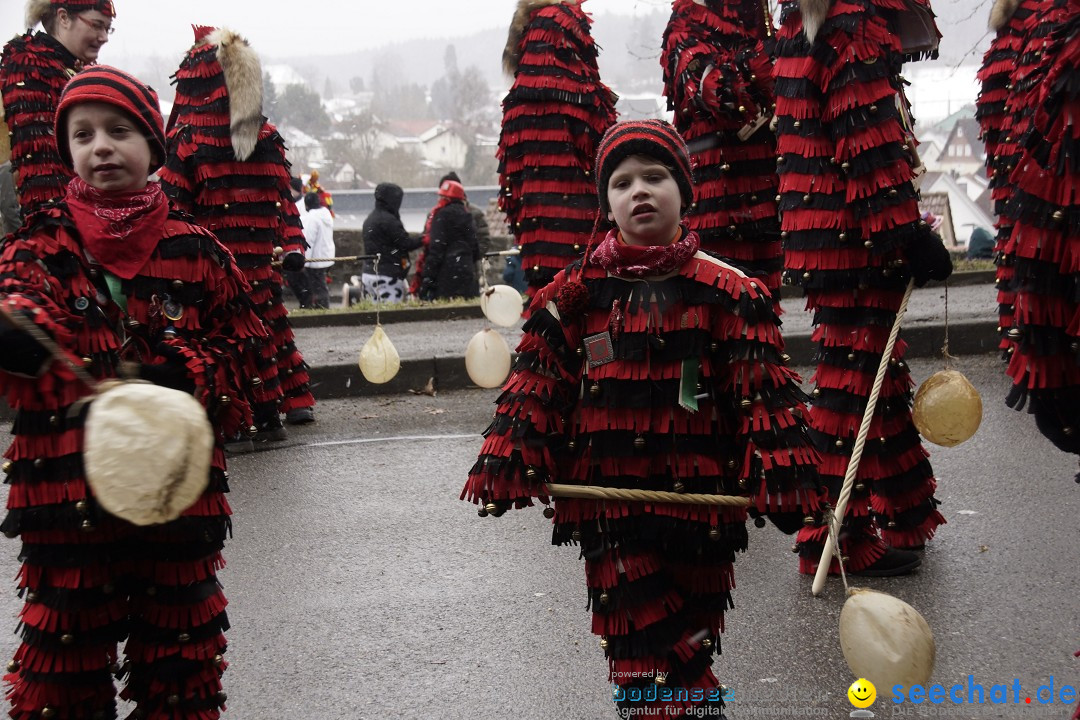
(280,28)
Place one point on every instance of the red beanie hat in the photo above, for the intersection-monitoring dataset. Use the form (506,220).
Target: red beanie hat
(451,189)
(105,7)
(104,84)
(652,138)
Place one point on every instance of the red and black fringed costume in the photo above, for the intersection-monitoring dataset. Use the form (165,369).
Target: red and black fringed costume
(674,383)
(34,69)
(850,221)
(1043,211)
(88,579)
(1002,112)
(226,166)
(553,118)
(718,81)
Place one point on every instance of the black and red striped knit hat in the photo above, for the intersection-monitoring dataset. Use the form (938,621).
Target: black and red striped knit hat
(105,84)
(652,138)
(105,7)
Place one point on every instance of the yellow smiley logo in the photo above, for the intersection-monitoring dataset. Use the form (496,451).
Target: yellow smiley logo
(862,693)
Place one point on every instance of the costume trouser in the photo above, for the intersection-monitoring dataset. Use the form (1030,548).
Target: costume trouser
(283,374)
(90,586)
(658,605)
(319,296)
(892,502)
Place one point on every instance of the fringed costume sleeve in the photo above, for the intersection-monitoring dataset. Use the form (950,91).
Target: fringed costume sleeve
(774,455)
(529,424)
(719,83)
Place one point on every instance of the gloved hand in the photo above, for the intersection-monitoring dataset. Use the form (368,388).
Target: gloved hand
(1057,420)
(928,258)
(172,373)
(21,354)
(787,522)
(293,261)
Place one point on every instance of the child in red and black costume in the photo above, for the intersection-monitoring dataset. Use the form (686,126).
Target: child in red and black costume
(553,117)
(124,285)
(227,167)
(853,238)
(718,81)
(34,68)
(651,365)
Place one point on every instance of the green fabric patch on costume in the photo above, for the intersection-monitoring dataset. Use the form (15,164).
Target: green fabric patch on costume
(116,290)
(688,384)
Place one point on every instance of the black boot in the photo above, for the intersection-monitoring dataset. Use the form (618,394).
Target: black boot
(893,562)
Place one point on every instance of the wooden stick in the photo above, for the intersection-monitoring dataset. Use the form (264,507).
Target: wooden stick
(860,443)
(592,492)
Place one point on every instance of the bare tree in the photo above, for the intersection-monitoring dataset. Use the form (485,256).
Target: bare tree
(357,142)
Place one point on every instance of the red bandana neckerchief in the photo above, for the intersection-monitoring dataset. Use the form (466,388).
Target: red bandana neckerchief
(119,229)
(622,260)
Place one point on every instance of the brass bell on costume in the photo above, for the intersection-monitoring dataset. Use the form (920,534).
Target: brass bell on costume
(947,408)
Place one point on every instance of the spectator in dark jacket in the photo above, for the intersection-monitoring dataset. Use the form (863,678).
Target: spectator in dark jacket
(384,235)
(450,268)
(483,232)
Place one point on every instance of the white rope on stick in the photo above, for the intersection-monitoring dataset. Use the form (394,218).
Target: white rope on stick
(857,451)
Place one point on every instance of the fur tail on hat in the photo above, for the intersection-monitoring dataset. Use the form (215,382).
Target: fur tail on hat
(35,11)
(512,51)
(814,13)
(1002,12)
(243,81)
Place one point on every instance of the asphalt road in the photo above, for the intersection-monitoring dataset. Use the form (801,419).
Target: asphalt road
(361,587)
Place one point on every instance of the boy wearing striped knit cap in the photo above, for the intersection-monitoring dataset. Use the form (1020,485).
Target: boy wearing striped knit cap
(116,278)
(650,365)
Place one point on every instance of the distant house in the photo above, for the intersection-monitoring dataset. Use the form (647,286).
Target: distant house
(929,151)
(436,143)
(963,152)
(302,150)
(642,106)
(950,198)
